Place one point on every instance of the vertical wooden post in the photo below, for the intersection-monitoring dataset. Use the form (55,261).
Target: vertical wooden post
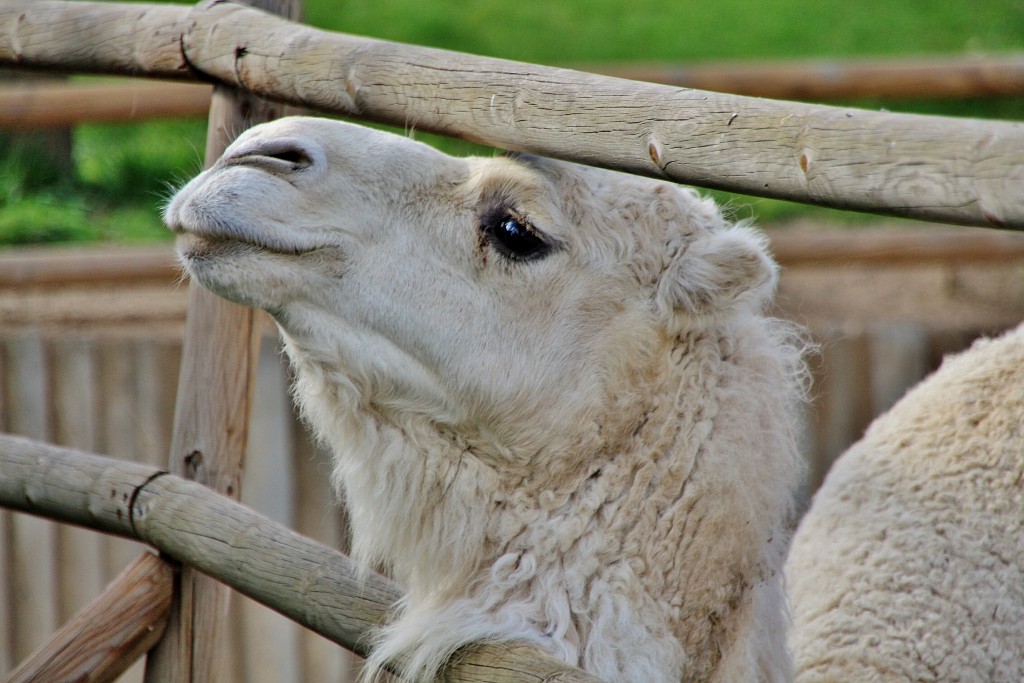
(212,416)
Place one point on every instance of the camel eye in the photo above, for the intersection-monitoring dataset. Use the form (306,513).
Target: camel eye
(513,237)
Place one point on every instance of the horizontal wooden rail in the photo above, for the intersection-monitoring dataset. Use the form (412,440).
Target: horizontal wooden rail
(50,266)
(33,105)
(318,587)
(881,247)
(933,168)
(934,78)
(36,105)
(121,39)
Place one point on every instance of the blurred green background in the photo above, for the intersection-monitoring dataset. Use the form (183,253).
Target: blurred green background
(123,173)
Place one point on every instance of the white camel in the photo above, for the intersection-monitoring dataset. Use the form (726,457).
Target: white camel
(558,412)
(909,565)
(560,416)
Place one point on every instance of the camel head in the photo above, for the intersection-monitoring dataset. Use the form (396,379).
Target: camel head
(513,359)
(502,293)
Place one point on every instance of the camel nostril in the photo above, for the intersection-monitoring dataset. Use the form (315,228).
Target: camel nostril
(282,156)
(295,156)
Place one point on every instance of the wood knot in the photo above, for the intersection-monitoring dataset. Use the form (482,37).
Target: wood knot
(805,161)
(193,461)
(654,151)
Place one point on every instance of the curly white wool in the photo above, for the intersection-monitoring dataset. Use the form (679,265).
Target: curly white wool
(909,565)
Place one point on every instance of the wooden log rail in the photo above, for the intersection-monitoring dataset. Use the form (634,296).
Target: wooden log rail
(931,78)
(34,106)
(933,168)
(318,587)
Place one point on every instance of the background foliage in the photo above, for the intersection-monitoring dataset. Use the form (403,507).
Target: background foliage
(122,173)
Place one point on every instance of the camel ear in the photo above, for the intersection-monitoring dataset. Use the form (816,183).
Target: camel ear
(717,275)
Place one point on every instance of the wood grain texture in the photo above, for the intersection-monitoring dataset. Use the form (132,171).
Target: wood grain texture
(31,542)
(74,408)
(125,39)
(207,445)
(933,168)
(102,640)
(314,585)
(54,267)
(939,244)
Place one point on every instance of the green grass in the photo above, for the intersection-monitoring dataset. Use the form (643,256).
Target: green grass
(586,30)
(119,180)
(121,174)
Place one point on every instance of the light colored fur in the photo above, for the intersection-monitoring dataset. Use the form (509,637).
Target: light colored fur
(592,452)
(909,565)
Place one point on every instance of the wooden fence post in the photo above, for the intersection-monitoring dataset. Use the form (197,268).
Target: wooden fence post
(212,415)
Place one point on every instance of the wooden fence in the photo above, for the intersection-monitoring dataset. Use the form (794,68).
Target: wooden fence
(950,170)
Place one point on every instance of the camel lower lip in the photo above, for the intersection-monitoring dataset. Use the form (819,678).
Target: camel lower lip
(192,246)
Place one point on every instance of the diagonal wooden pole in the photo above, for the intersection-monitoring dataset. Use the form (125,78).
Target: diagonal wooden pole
(211,421)
(107,635)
